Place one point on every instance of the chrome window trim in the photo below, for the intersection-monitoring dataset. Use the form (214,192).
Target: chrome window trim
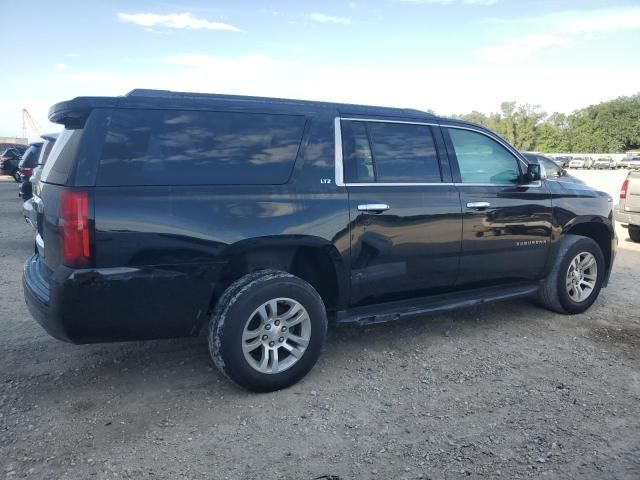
(339,168)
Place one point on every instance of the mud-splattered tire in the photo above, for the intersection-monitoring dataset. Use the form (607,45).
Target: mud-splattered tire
(267,330)
(555,292)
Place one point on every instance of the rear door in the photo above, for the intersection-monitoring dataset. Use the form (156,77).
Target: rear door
(507,226)
(405,216)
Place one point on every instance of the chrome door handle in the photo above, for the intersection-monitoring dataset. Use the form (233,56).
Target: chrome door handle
(478,205)
(373,207)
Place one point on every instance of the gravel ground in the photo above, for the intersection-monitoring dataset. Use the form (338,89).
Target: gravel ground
(502,391)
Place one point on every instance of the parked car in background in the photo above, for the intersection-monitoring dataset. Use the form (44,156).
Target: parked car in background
(286,213)
(634,163)
(624,162)
(589,162)
(553,170)
(605,162)
(27,163)
(628,210)
(563,161)
(577,162)
(28,183)
(9,161)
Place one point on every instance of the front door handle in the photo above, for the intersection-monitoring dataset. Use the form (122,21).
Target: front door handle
(478,205)
(373,207)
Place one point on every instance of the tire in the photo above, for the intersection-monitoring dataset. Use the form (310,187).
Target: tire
(239,312)
(16,175)
(634,233)
(554,293)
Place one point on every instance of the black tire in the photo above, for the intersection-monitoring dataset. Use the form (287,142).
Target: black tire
(16,175)
(234,309)
(634,233)
(553,292)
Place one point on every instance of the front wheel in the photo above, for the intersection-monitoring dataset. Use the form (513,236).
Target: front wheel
(634,233)
(576,279)
(267,330)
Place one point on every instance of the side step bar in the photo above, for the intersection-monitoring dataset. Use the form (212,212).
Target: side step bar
(386,312)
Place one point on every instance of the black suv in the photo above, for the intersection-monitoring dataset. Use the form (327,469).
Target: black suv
(261,219)
(10,159)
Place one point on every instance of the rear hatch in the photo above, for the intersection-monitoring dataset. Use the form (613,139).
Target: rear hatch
(632,203)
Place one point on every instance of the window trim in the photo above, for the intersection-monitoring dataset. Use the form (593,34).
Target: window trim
(339,167)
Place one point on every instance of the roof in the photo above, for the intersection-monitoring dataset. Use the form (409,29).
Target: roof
(79,107)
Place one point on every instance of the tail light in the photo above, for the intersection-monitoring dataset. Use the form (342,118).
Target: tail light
(26,171)
(623,190)
(75,229)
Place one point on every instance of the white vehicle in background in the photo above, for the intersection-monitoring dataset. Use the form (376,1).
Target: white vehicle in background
(605,162)
(628,211)
(633,163)
(577,162)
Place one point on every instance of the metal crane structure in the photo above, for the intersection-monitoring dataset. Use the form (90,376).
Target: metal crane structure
(28,119)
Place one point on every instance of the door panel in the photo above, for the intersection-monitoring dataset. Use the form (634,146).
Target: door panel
(507,240)
(414,246)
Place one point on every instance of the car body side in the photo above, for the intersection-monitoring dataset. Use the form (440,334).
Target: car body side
(164,254)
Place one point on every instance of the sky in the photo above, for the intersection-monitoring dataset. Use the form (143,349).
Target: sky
(449,56)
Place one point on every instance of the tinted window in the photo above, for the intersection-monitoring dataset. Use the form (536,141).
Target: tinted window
(483,160)
(158,147)
(389,153)
(46,151)
(62,157)
(30,157)
(356,152)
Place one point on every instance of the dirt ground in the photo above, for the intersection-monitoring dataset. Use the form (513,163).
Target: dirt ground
(503,391)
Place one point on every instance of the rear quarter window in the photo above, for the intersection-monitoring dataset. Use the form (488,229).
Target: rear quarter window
(62,158)
(179,147)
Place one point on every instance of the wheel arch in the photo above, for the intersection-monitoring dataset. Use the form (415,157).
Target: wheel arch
(313,259)
(601,231)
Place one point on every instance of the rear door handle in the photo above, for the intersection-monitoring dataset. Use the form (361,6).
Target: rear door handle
(373,207)
(478,205)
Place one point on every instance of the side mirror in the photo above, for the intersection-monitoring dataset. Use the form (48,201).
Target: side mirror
(535,172)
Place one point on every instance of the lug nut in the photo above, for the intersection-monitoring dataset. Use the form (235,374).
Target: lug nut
(281,339)
(284,329)
(264,337)
(267,326)
(277,322)
(271,344)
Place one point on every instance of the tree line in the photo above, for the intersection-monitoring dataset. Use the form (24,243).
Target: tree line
(608,127)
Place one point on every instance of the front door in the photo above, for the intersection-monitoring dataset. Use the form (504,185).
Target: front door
(507,225)
(405,223)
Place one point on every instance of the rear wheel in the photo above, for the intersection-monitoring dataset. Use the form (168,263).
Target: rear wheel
(576,280)
(634,233)
(16,175)
(267,330)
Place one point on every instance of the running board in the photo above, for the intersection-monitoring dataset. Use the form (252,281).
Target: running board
(391,311)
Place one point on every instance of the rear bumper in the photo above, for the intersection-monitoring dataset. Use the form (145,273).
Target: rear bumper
(627,218)
(120,303)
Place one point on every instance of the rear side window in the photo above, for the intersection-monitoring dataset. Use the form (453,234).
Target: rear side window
(45,151)
(385,152)
(30,157)
(62,157)
(174,147)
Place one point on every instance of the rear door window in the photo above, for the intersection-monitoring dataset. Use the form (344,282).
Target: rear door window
(178,147)
(389,152)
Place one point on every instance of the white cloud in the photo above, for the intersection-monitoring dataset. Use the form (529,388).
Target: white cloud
(322,18)
(564,30)
(60,66)
(480,2)
(175,21)
(71,55)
